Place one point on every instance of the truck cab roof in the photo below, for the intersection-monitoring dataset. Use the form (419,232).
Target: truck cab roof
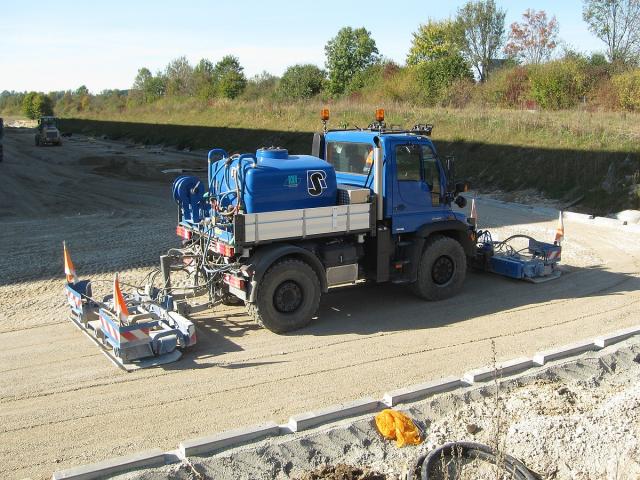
(368,136)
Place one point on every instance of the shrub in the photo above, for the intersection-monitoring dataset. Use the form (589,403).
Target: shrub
(507,87)
(559,84)
(627,88)
(434,77)
(259,86)
(459,94)
(301,81)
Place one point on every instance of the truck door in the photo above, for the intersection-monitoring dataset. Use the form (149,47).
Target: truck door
(417,188)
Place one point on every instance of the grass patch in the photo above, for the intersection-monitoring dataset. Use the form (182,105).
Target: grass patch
(564,154)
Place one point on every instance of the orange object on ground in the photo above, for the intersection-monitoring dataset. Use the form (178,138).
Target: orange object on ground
(120,306)
(397,426)
(560,230)
(69,269)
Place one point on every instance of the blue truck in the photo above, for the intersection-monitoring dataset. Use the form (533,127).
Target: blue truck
(276,230)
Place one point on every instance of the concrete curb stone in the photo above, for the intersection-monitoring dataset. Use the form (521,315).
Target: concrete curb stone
(308,420)
(606,340)
(227,439)
(112,466)
(540,358)
(422,390)
(505,368)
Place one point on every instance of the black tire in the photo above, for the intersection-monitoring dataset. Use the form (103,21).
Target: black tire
(288,296)
(37,139)
(442,269)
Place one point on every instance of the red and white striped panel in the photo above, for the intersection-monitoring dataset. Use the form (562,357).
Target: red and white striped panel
(553,255)
(74,301)
(133,335)
(109,329)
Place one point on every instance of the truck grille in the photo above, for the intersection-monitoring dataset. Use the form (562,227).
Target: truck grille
(52,135)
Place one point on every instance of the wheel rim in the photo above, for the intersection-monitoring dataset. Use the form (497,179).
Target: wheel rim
(442,270)
(288,297)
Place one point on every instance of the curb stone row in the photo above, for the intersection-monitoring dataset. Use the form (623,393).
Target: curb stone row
(308,420)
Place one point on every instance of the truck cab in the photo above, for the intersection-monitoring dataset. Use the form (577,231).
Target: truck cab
(47,132)
(414,183)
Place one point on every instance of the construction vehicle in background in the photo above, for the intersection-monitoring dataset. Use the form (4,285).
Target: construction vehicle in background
(47,132)
(275,231)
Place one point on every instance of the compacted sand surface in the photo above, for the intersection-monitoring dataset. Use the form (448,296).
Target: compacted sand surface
(62,403)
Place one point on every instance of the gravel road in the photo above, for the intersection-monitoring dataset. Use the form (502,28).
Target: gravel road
(62,403)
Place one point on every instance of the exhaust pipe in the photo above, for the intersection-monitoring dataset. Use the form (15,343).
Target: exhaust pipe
(378,178)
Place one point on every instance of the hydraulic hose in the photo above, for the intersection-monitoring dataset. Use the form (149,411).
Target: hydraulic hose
(430,466)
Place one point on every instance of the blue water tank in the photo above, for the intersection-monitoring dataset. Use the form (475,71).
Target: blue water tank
(274,180)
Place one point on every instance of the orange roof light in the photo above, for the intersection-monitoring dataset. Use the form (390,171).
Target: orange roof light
(324,114)
(380,115)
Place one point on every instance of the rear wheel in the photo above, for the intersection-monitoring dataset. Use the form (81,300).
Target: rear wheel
(37,140)
(287,298)
(442,269)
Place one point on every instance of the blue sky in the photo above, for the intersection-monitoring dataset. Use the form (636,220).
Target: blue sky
(63,44)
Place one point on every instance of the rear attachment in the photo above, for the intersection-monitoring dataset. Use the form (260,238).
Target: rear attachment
(535,262)
(133,330)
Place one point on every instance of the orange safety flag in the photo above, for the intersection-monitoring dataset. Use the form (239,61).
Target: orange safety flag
(397,426)
(119,304)
(69,269)
(474,212)
(560,230)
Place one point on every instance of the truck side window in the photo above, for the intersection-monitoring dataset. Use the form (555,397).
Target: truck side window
(408,163)
(350,157)
(431,174)
(431,170)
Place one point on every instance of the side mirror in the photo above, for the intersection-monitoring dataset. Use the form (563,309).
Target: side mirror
(462,187)
(461,201)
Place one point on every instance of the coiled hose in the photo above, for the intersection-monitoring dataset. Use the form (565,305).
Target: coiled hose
(430,466)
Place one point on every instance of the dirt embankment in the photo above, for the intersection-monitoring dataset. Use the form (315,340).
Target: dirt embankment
(595,182)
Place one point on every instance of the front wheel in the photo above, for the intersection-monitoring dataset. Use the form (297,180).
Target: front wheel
(288,296)
(442,269)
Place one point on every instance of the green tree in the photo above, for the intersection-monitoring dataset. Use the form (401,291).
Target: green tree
(349,52)
(142,79)
(481,26)
(82,90)
(203,83)
(179,74)
(433,40)
(262,85)
(301,81)
(36,105)
(229,77)
(616,23)
(147,88)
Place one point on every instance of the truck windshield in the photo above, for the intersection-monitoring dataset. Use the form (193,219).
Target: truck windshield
(350,157)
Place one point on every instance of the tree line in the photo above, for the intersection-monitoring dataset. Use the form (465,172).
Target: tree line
(472,58)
